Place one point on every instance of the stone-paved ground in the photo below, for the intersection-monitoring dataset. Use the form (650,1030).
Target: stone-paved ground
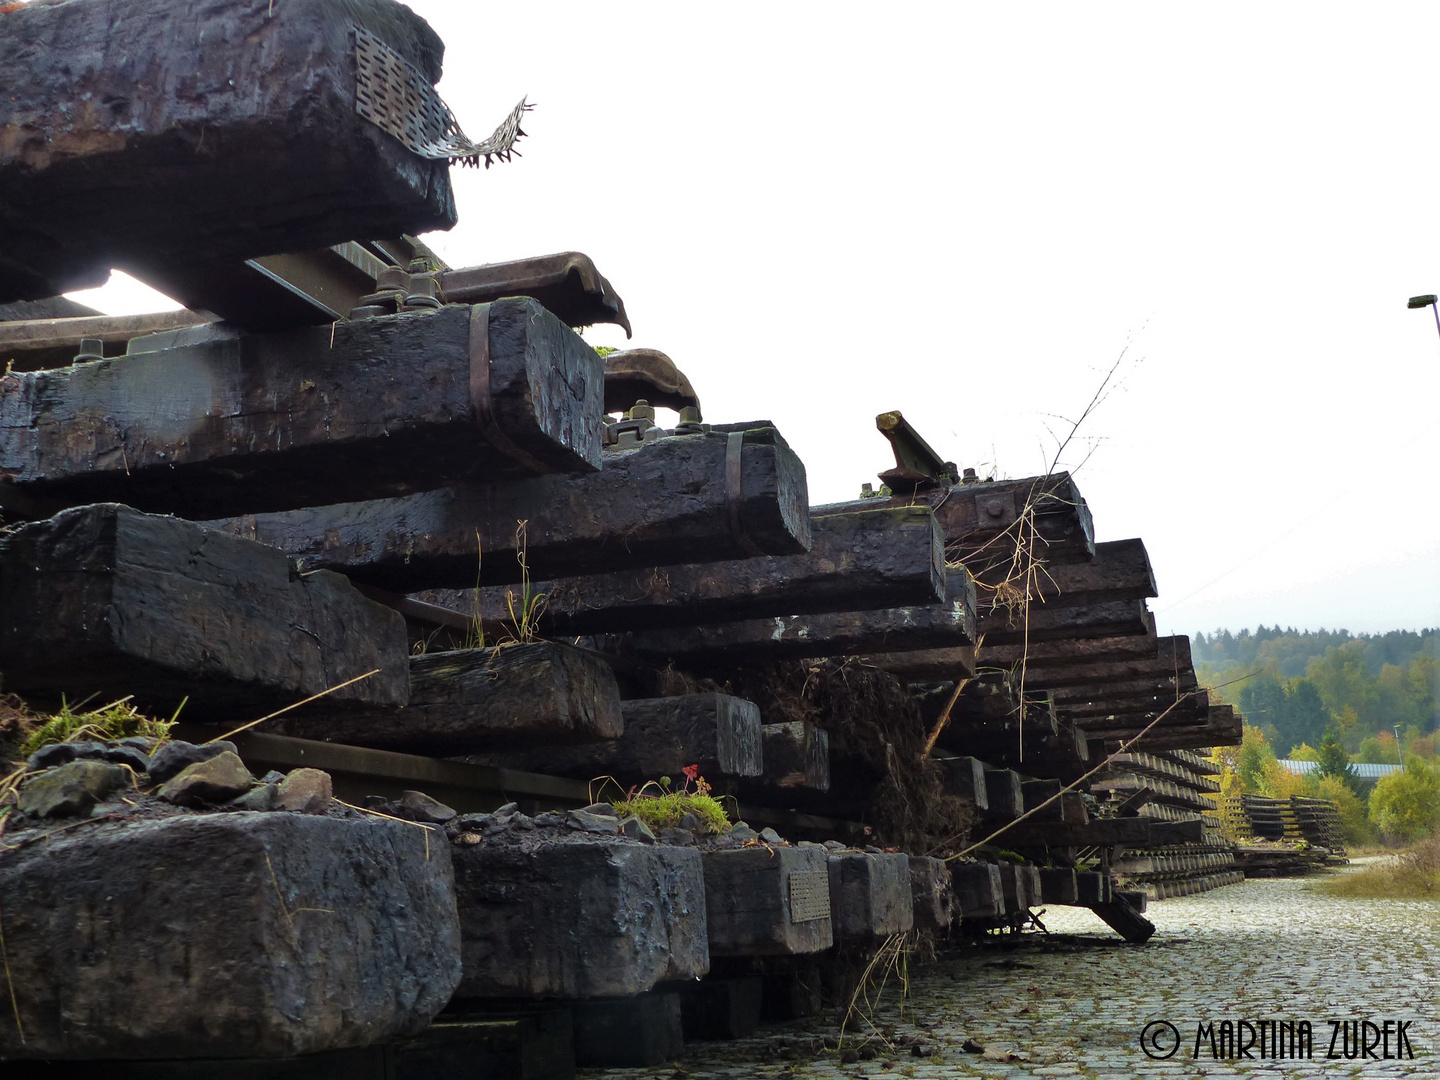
(1276,949)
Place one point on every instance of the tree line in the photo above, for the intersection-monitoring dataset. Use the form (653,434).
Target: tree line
(1295,686)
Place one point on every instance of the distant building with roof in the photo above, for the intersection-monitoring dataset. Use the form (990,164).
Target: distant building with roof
(1365,772)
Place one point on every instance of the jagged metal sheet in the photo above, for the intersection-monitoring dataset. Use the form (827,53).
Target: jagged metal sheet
(395,96)
(809,895)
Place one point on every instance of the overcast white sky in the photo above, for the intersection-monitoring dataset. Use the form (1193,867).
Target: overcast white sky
(824,211)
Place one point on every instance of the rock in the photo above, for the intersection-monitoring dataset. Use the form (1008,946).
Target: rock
(636,829)
(306,790)
(549,819)
(421,807)
(506,810)
(238,936)
(834,845)
(174,757)
(59,753)
(602,809)
(146,744)
(677,836)
(523,822)
(72,789)
(214,781)
(274,776)
(577,917)
(689,821)
(262,798)
(48,756)
(770,836)
(592,823)
(472,821)
(741,832)
(132,756)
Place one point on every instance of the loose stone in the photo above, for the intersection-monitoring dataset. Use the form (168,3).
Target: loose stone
(73,789)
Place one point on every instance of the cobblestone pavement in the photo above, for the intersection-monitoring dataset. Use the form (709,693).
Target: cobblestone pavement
(1075,1006)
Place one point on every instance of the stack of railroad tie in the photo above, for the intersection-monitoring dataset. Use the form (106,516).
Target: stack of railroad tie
(1172,785)
(351,472)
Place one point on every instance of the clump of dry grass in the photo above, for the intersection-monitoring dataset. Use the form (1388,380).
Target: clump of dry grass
(1411,875)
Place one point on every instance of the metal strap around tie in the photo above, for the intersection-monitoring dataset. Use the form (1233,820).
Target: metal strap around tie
(481,400)
(734,477)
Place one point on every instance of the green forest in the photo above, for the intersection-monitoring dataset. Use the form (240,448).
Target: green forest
(1295,685)
(1334,698)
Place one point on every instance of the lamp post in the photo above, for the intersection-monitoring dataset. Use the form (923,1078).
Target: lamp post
(1428,300)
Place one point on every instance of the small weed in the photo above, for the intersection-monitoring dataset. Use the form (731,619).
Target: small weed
(659,807)
(525,608)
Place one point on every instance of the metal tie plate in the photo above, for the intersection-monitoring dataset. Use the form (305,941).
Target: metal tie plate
(809,895)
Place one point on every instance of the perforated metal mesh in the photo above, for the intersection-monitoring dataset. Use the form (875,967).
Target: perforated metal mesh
(809,895)
(395,96)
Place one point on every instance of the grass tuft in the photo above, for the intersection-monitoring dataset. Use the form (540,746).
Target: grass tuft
(1410,875)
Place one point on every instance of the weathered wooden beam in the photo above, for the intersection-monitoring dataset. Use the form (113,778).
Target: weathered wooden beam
(932,898)
(984,523)
(796,756)
(768,901)
(1134,832)
(841,633)
(473,700)
(237,122)
(1124,920)
(1021,886)
(873,559)
(662,737)
(965,778)
(1092,887)
(1120,570)
(672,500)
(1003,795)
(1078,651)
(1044,622)
(271,422)
(870,895)
(1218,725)
(104,600)
(1171,656)
(577,919)
(1057,885)
(1187,703)
(979,892)
(1037,795)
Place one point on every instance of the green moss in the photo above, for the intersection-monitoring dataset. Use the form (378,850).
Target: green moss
(118,720)
(662,808)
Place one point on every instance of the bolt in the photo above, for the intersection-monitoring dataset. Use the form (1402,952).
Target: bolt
(90,349)
(641,410)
